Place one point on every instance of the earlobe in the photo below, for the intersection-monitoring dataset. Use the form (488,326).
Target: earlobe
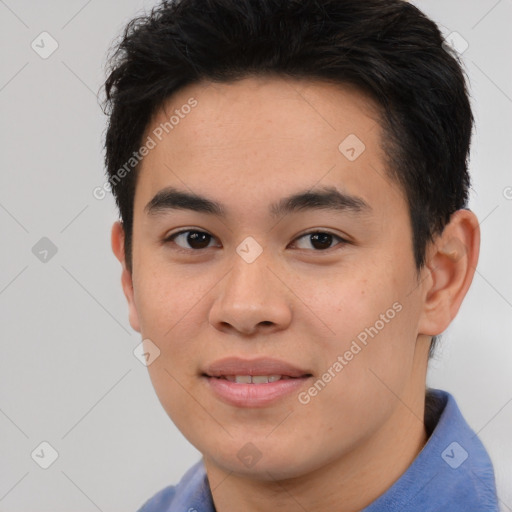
(451,264)
(117,243)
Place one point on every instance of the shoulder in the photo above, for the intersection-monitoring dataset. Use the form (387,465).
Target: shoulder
(192,487)
(453,470)
(466,460)
(161,501)
(462,470)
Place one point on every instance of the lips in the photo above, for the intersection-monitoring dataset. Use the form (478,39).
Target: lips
(253,383)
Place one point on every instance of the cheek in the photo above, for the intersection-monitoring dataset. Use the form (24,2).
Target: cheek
(164,297)
(382,366)
(178,398)
(367,379)
(172,311)
(373,320)
(351,306)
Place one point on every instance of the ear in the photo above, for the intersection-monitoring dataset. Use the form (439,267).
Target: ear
(450,267)
(117,242)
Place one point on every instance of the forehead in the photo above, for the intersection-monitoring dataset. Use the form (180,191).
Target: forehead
(260,137)
(265,112)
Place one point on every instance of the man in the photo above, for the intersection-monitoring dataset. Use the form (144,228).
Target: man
(292,183)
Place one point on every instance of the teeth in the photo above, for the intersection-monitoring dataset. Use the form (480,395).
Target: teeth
(260,379)
(254,379)
(243,379)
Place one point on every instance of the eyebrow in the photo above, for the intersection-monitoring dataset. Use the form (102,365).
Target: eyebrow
(326,198)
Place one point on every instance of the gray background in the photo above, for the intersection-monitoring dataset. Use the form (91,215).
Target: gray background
(68,375)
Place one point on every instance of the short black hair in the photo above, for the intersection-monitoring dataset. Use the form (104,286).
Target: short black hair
(388,49)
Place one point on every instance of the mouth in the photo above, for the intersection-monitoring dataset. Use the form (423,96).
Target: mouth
(253,379)
(253,383)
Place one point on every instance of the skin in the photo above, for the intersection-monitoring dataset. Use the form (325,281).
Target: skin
(246,145)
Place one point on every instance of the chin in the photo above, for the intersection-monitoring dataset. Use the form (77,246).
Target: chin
(263,460)
(263,470)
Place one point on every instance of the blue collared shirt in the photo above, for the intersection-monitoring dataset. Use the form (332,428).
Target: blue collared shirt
(453,472)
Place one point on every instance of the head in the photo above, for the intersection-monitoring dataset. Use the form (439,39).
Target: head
(317,154)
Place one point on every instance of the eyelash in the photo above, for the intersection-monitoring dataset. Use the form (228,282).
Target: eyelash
(170,239)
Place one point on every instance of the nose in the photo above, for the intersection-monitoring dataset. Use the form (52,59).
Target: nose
(251,300)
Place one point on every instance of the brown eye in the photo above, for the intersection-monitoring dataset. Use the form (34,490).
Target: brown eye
(319,240)
(191,239)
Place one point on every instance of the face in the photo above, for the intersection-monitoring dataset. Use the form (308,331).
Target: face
(283,295)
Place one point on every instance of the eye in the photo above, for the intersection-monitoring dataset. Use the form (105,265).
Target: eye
(191,239)
(319,240)
(196,240)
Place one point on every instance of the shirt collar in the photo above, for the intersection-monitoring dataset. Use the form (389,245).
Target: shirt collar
(452,472)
